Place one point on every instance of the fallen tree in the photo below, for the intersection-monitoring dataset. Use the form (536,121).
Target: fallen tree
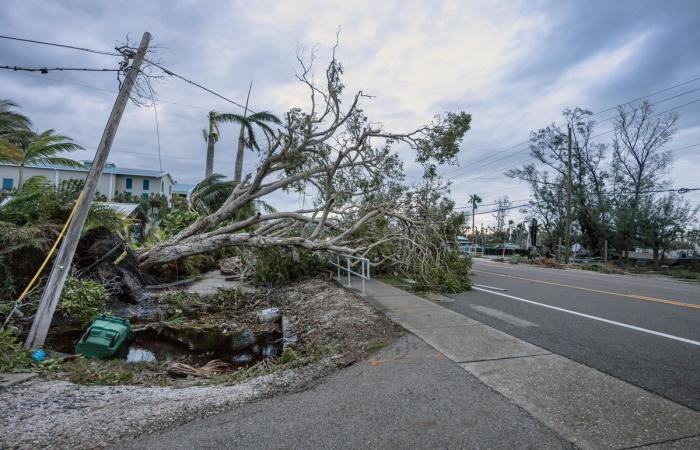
(346,166)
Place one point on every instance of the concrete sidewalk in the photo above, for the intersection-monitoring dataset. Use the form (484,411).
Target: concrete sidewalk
(406,396)
(587,407)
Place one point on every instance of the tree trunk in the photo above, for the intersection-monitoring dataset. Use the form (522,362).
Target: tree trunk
(655,256)
(20,177)
(210,156)
(238,173)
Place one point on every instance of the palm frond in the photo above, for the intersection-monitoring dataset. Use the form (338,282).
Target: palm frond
(230,118)
(63,162)
(9,152)
(264,116)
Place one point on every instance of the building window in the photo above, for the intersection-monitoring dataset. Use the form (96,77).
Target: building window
(144,195)
(146,184)
(7,184)
(170,190)
(129,183)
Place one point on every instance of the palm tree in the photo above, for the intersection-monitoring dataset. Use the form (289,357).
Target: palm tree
(474,200)
(246,137)
(11,122)
(25,147)
(211,137)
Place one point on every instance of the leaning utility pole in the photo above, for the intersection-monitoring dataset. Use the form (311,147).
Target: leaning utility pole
(567,232)
(62,263)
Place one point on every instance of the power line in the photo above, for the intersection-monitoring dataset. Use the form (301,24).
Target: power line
(490,204)
(595,114)
(505,209)
(53,44)
(155,113)
(484,164)
(194,83)
(53,69)
(111,91)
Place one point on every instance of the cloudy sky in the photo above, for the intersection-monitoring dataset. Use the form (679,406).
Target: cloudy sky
(513,65)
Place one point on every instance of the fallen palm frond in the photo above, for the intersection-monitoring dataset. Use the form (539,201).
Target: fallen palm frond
(213,366)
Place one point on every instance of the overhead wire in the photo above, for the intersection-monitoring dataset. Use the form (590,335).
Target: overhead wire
(485,162)
(480,166)
(53,44)
(56,69)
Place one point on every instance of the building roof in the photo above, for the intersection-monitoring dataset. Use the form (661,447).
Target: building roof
(182,188)
(109,168)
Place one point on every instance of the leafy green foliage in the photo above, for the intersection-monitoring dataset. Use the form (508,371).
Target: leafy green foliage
(82,300)
(278,266)
(22,248)
(12,355)
(177,220)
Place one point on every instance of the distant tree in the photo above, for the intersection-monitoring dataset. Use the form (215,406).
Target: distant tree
(661,221)
(639,164)
(547,177)
(246,138)
(502,206)
(474,200)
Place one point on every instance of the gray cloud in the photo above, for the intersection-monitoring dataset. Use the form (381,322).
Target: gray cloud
(513,66)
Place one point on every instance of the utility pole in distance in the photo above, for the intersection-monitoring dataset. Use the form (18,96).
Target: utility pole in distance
(62,263)
(567,232)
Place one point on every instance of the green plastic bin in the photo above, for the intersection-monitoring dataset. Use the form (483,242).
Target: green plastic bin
(103,337)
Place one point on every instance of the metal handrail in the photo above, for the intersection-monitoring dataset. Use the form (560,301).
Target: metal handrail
(347,267)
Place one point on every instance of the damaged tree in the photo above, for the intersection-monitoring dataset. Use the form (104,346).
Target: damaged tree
(340,160)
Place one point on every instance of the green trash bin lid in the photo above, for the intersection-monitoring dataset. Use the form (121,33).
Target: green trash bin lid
(103,337)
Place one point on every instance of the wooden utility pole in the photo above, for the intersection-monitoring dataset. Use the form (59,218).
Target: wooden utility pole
(62,263)
(567,232)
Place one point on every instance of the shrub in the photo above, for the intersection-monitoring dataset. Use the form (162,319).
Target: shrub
(82,300)
(451,276)
(12,355)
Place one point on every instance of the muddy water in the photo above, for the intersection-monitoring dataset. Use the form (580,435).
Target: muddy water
(186,345)
(199,347)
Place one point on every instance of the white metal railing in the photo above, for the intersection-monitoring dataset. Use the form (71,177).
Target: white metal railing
(347,266)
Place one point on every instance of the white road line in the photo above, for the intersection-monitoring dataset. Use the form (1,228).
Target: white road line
(489,287)
(588,316)
(500,315)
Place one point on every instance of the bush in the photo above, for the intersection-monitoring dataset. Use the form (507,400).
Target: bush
(12,355)
(515,259)
(451,276)
(82,300)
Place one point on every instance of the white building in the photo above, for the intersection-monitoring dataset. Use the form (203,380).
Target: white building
(138,182)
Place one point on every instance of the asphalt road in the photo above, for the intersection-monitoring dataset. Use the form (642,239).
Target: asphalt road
(406,396)
(645,331)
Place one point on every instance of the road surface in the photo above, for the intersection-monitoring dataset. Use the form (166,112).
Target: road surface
(643,330)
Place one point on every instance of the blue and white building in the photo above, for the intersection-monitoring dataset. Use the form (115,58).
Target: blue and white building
(138,182)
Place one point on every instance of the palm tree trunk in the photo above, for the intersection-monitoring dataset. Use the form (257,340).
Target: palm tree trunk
(210,156)
(20,178)
(238,173)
